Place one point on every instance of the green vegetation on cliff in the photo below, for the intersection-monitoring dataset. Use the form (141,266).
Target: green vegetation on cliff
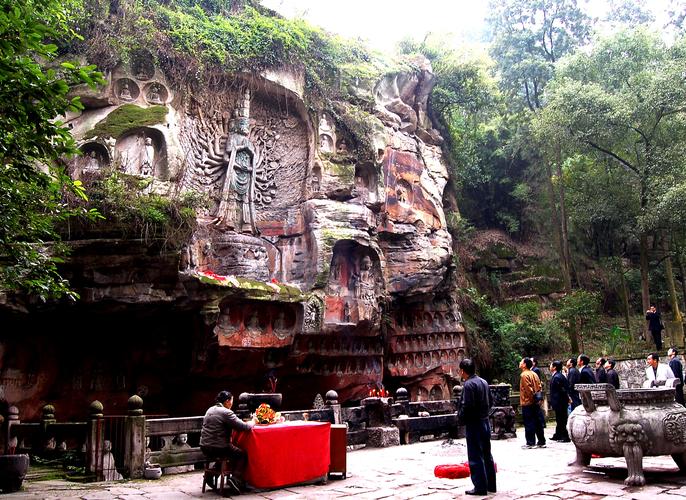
(127,117)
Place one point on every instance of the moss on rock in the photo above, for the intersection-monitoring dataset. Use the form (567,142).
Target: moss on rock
(127,117)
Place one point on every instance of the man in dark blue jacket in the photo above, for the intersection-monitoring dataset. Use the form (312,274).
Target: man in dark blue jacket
(559,399)
(586,375)
(612,375)
(474,409)
(600,374)
(573,379)
(678,371)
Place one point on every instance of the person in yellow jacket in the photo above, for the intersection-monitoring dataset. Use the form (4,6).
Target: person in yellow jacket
(529,385)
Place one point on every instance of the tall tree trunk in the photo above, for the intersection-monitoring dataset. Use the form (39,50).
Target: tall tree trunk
(573,336)
(669,275)
(682,271)
(564,233)
(625,295)
(645,290)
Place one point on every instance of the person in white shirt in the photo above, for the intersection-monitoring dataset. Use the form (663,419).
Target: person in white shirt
(656,373)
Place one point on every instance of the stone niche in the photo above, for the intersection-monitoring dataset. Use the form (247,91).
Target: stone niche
(353,287)
(273,142)
(126,90)
(94,157)
(142,152)
(142,65)
(257,325)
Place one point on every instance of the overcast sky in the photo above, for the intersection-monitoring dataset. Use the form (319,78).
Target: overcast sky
(384,22)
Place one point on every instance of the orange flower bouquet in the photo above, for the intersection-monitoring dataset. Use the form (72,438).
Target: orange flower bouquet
(265,415)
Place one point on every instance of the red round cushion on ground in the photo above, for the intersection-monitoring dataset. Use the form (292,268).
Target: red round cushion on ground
(452,471)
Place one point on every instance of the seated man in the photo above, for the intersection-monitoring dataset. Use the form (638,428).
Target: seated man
(657,374)
(215,438)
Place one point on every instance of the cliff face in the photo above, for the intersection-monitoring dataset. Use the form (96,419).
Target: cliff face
(321,254)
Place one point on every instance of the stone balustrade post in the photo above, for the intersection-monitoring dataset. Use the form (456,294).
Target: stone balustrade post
(332,401)
(12,418)
(95,440)
(402,397)
(47,418)
(134,451)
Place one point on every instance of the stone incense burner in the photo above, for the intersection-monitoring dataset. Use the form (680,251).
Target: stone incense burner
(629,423)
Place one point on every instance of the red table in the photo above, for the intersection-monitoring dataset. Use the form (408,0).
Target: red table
(286,453)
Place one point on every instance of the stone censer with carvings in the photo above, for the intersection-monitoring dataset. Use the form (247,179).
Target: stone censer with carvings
(631,423)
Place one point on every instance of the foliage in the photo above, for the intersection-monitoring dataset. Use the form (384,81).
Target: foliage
(615,337)
(122,201)
(602,205)
(31,96)
(579,313)
(511,332)
(200,42)
(624,104)
(529,37)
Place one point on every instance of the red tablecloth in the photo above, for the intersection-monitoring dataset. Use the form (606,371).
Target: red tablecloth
(287,453)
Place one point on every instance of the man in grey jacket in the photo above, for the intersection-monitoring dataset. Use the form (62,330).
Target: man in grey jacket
(215,437)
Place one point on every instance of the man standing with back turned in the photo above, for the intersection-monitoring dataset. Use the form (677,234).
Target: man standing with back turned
(678,371)
(529,385)
(474,409)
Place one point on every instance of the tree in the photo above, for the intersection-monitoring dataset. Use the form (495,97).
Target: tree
(32,95)
(529,38)
(625,102)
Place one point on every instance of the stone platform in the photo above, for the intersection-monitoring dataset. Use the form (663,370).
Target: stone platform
(406,472)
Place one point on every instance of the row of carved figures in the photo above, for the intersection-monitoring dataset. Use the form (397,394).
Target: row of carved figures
(425,342)
(426,360)
(340,347)
(366,366)
(421,319)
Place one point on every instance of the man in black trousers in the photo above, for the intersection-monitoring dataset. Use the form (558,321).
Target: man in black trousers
(678,371)
(559,400)
(473,414)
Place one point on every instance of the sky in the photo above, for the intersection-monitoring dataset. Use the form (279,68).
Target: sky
(385,22)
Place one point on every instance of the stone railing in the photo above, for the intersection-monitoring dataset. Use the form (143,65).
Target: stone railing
(116,446)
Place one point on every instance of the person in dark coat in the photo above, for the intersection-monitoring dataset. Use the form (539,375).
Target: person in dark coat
(573,379)
(600,374)
(655,326)
(475,406)
(559,400)
(678,371)
(612,375)
(586,375)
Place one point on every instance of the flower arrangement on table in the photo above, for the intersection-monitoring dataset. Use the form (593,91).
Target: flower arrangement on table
(266,415)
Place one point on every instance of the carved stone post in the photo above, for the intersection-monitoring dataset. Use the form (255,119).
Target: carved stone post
(332,401)
(243,411)
(134,451)
(12,418)
(47,419)
(95,440)
(402,397)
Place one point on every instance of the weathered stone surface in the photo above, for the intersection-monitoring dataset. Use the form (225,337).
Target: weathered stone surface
(301,252)
(381,437)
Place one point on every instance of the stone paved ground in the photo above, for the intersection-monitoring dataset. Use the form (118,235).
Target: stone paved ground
(406,472)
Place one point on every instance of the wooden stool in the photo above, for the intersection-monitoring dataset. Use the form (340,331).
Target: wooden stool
(217,475)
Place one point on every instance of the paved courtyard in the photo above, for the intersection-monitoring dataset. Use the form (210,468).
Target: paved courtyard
(406,472)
